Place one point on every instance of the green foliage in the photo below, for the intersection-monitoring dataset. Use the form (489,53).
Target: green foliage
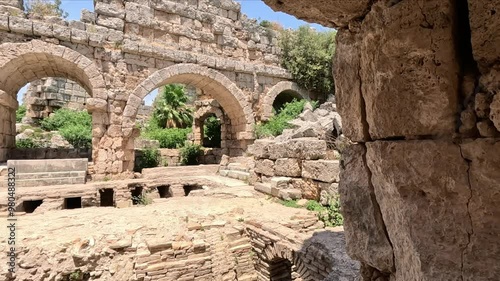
(66,117)
(150,158)
(308,54)
(279,122)
(20,113)
(170,109)
(78,135)
(168,138)
(44,8)
(190,154)
(142,199)
(212,132)
(266,24)
(331,216)
(27,143)
(74,126)
(289,203)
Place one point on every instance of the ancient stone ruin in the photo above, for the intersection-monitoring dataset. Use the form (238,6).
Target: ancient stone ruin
(124,50)
(417,87)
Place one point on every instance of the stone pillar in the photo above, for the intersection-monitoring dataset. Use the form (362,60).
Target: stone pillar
(417,86)
(8,107)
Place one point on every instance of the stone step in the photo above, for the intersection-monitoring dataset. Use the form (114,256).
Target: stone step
(275,191)
(237,167)
(46,181)
(31,176)
(239,175)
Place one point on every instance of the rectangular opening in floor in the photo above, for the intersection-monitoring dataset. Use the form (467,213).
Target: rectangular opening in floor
(30,206)
(107,197)
(73,203)
(164,191)
(190,187)
(136,193)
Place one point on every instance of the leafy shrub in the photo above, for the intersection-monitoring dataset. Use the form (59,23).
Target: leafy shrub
(289,203)
(78,135)
(307,54)
(150,158)
(44,8)
(331,216)
(20,113)
(190,154)
(66,117)
(279,122)
(212,132)
(168,138)
(27,143)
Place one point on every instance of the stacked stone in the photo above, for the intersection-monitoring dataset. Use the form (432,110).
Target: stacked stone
(418,88)
(11,7)
(295,169)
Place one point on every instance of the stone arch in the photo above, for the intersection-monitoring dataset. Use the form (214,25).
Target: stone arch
(230,97)
(22,63)
(205,109)
(270,97)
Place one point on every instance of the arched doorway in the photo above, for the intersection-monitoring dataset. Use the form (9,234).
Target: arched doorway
(22,63)
(232,101)
(278,95)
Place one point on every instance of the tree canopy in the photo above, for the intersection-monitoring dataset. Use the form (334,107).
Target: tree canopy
(308,55)
(170,107)
(44,8)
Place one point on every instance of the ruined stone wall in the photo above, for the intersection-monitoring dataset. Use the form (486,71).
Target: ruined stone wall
(417,88)
(126,49)
(295,169)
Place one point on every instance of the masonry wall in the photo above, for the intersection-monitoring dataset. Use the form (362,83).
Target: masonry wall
(295,169)
(417,89)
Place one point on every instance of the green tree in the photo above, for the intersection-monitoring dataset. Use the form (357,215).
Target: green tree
(20,113)
(170,108)
(308,54)
(44,8)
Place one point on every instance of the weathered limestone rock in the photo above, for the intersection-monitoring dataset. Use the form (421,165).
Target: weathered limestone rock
(265,167)
(394,107)
(366,236)
(423,184)
(483,211)
(321,170)
(302,148)
(309,188)
(287,167)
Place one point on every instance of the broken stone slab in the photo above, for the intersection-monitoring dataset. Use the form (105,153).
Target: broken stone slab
(290,194)
(259,148)
(263,187)
(302,148)
(321,170)
(280,182)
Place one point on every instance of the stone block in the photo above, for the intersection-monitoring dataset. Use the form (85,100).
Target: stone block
(287,167)
(321,170)
(290,194)
(302,148)
(263,187)
(365,235)
(310,189)
(265,167)
(280,182)
(424,183)
(259,148)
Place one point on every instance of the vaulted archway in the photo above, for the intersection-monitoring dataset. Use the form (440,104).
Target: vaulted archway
(291,89)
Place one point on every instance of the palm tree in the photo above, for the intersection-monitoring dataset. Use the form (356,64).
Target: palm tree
(170,108)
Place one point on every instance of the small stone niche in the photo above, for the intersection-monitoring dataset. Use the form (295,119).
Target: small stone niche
(72,203)
(280,270)
(190,187)
(136,193)
(30,206)
(164,191)
(107,197)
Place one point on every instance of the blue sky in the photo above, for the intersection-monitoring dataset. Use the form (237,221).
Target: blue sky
(252,8)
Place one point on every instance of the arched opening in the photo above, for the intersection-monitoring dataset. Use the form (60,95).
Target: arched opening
(212,131)
(24,63)
(216,94)
(52,121)
(284,98)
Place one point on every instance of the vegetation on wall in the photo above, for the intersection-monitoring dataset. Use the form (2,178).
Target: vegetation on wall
(330,215)
(308,54)
(20,113)
(44,8)
(279,122)
(170,108)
